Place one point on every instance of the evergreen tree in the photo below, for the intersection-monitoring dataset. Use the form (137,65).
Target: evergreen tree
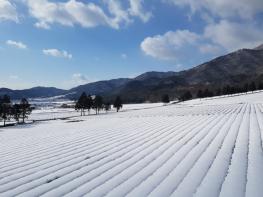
(226,90)
(98,104)
(16,112)
(252,86)
(89,103)
(218,92)
(208,93)
(118,103)
(25,109)
(260,86)
(107,107)
(82,103)
(200,94)
(245,87)
(186,96)
(5,108)
(165,98)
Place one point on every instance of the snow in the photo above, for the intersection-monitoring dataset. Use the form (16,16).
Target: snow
(208,147)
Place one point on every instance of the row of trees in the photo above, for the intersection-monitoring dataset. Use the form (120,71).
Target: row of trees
(185,96)
(86,102)
(225,90)
(19,111)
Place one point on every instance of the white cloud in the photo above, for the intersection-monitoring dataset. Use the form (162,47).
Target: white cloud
(210,49)
(42,25)
(76,79)
(233,36)
(223,8)
(217,38)
(169,45)
(230,24)
(136,9)
(79,79)
(16,44)
(87,15)
(57,53)
(67,13)
(8,11)
(119,13)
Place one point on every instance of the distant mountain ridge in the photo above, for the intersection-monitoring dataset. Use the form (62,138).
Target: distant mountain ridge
(235,68)
(260,47)
(33,92)
(100,87)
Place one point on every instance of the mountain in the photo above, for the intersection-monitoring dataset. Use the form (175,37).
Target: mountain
(154,74)
(236,68)
(32,92)
(99,88)
(260,47)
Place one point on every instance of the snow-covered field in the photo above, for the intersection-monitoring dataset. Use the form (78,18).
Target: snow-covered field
(198,148)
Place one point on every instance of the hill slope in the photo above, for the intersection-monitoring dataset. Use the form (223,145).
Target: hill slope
(32,92)
(235,68)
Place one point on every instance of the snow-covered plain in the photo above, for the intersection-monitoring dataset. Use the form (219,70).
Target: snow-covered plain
(201,148)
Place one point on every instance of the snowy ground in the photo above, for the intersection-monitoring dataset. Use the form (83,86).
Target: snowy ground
(55,112)
(198,148)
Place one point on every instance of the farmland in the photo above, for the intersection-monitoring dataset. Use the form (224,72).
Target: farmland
(196,148)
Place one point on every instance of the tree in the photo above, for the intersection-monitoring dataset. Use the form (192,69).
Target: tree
(16,112)
(107,107)
(165,98)
(208,93)
(226,90)
(117,103)
(5,108)
(260,86)
(186,96)
(200,94)
(82,103)
(98,104)
(218,92)
(245,87)
(25,109)
(252,86)
(89,103)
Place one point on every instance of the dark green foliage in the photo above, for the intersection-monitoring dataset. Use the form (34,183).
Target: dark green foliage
(16,111)
(260,86)
(118,103)
(107,107)
(82,103)
(98,104)
(245,87)
(89,103)
(5,108)
(252,86)
(208,93)
(218,92)
(25,109)
(186,96)
(165,98)
(200,94)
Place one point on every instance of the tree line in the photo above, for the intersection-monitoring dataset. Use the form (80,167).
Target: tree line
(86,103)
(228,90)
(210,92)
(18,111)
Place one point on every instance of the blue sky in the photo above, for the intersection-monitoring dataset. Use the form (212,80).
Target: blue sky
(65,43)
